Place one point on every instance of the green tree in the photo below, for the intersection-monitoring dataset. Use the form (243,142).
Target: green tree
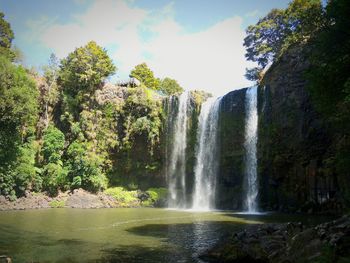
(55,178)
(145,75)
(53,145)
(18,108)
(6,37)
(279,29)
(18,117)
(85,69)
(265,39)
(24,171)
(85,167)
(170,86)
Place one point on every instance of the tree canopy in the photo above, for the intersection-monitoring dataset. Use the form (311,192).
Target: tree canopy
(18,116)
(6,37)
(145,75)
(170,86)
(279,29)
(85,69)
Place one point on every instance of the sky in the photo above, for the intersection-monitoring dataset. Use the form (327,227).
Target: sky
(197,42)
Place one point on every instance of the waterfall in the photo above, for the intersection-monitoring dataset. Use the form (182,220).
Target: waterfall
(251,138)
(207,152)
(176,168)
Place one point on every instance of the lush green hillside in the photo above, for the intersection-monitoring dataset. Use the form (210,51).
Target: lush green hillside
(68,128)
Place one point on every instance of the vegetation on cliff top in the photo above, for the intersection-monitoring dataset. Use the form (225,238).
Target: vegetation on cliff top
(145,75)
(322,33)
(278,30)
(63,130)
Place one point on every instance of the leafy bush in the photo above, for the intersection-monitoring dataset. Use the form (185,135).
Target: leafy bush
(7,183)
(86,165)
(57,204)
(161,192)
(37,182)
(19,113)
(54,178)
(53,145)
(157,197)
(24,172)
(76,183)
(126,198)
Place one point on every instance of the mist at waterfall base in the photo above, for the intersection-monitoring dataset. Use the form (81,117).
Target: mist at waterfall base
(206,167)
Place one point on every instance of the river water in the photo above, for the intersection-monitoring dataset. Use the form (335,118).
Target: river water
(120,235)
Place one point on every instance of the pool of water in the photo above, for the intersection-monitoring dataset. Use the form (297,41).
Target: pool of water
(121,235)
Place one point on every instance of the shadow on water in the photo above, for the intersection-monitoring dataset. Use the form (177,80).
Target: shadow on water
(274,217)
(176,242)
(179,243)
(187,241)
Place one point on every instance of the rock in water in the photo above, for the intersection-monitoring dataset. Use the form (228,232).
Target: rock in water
(328,242)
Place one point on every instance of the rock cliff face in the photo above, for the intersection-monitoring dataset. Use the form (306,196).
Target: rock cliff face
(293,142)
(293,145)
(231,134)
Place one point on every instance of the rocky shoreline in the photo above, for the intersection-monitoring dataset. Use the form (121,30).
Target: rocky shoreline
(78,198)
(287,243)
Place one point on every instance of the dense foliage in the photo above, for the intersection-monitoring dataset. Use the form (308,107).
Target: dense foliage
(145,75)
(83,72)
(279,29)
(85,68)
(329,83)
(170,86)
(18,116)
(6,37)
(68,129)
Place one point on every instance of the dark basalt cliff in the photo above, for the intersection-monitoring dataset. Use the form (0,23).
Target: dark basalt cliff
(293,142)
(293,145)
(231,133)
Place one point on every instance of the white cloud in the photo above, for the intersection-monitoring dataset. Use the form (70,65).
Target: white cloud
(108,23)
(212,59)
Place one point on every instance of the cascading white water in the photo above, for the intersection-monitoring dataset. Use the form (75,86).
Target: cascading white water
(251,138)
(206,167)
(176,173)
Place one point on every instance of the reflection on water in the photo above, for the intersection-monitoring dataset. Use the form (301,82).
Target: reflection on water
(205,236)
(117,235)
